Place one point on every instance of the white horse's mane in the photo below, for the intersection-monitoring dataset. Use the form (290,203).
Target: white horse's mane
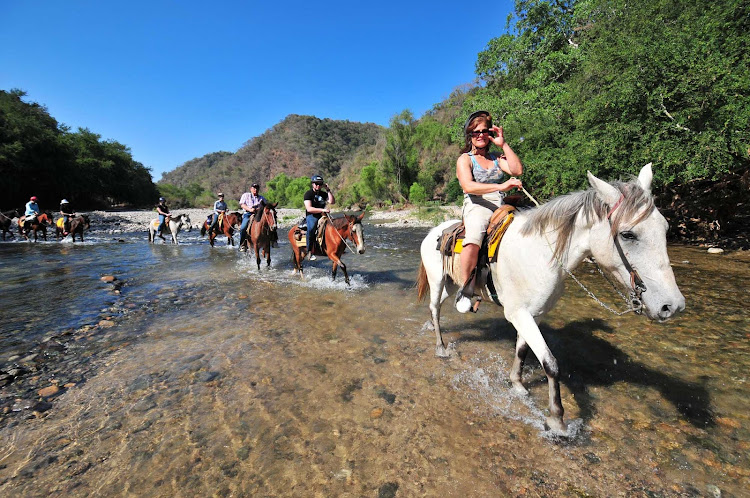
(561,213)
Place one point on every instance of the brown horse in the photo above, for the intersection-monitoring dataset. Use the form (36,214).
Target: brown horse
(337,232)
(262,231)
(40,223)
(77,224)
(6,220)
(226,226)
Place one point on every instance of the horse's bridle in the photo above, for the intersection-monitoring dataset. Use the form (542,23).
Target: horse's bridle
(636,283)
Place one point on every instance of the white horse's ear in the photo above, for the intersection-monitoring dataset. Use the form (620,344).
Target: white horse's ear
(604,190)
(645,177)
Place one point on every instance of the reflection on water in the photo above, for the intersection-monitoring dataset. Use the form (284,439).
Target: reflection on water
(204,376)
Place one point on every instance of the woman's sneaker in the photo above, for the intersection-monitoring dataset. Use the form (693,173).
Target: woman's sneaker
(313,257)
(463,303)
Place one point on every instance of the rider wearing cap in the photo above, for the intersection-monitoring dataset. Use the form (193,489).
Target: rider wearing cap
(66,210)
(163,211)
(315,205)
(249,202)
(220,207)
(481,174)
(30,214)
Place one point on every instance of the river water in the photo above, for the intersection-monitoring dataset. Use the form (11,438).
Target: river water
(195,374)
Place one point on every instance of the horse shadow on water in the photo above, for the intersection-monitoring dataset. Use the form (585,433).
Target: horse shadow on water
(603,365)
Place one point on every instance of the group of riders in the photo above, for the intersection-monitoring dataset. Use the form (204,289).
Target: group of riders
(481,173)
(316,199)
(32,212)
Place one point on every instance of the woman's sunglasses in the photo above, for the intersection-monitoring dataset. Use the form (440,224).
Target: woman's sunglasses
(477,133)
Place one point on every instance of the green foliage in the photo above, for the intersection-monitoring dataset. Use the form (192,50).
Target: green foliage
(41,157)
(417,194)
(400,159)
(453,192)
(286,191)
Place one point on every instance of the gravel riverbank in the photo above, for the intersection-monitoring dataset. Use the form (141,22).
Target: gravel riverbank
(131,221)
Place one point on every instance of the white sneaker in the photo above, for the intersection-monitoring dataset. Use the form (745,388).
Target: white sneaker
(463,304)
(313,257)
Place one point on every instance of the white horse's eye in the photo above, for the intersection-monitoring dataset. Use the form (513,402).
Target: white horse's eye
(628,235)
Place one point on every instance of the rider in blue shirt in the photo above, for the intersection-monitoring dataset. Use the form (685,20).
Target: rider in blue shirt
(30,214)
(220,207)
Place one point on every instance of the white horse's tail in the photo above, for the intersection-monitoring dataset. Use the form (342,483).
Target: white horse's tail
(422,283)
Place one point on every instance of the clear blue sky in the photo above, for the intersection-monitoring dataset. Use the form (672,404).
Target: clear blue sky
(174,80)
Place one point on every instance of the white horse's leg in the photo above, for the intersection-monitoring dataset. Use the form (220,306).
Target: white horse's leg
(438,294)
(522,348)
(529,331)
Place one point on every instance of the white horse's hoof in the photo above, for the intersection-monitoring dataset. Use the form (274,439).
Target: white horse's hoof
(428,325)
(442,352)
(557,425)
(520,389)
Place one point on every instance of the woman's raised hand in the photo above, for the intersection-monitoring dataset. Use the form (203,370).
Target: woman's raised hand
(499,138)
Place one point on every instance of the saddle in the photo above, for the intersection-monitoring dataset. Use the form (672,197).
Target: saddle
(451,240)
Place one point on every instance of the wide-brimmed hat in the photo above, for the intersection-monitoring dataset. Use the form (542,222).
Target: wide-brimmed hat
(220,194)
(64,201)
(33,198)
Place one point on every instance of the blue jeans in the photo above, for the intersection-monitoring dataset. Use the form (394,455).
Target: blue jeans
(243,228)
(162,219)
(312,225)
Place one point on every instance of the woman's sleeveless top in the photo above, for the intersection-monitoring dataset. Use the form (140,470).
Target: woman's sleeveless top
(481,175)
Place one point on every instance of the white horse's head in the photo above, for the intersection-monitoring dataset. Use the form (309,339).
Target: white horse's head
(633,222)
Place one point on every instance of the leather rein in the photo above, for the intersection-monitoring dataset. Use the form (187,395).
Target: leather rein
(636,283)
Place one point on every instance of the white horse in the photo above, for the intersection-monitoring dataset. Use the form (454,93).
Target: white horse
(173,227)
(618,225)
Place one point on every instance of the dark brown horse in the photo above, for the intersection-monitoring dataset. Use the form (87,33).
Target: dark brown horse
(6,220)
(77,225)
(40,222)
(226,227)
(262,232)
(337,232)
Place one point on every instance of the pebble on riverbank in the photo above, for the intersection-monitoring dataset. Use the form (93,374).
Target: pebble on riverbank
(715,250)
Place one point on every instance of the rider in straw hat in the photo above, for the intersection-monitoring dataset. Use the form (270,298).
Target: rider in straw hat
(220,208)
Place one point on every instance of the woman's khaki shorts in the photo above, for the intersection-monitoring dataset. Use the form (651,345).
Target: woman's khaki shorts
(477,217)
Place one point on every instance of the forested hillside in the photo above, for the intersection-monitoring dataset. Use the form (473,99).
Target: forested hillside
(40,157)
(298,146)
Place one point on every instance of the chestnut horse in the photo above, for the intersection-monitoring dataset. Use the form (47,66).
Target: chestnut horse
(228,224)
(40,223)
(77,223)
(337,231)
(262,231)
(6,220)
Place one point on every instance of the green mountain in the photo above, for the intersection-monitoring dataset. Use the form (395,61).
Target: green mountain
(297,146)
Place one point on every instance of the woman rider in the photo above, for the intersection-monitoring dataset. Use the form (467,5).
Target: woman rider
(163,211)
(481,173)
(316,200)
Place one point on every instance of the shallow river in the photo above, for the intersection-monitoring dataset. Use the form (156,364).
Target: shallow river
(194,374)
